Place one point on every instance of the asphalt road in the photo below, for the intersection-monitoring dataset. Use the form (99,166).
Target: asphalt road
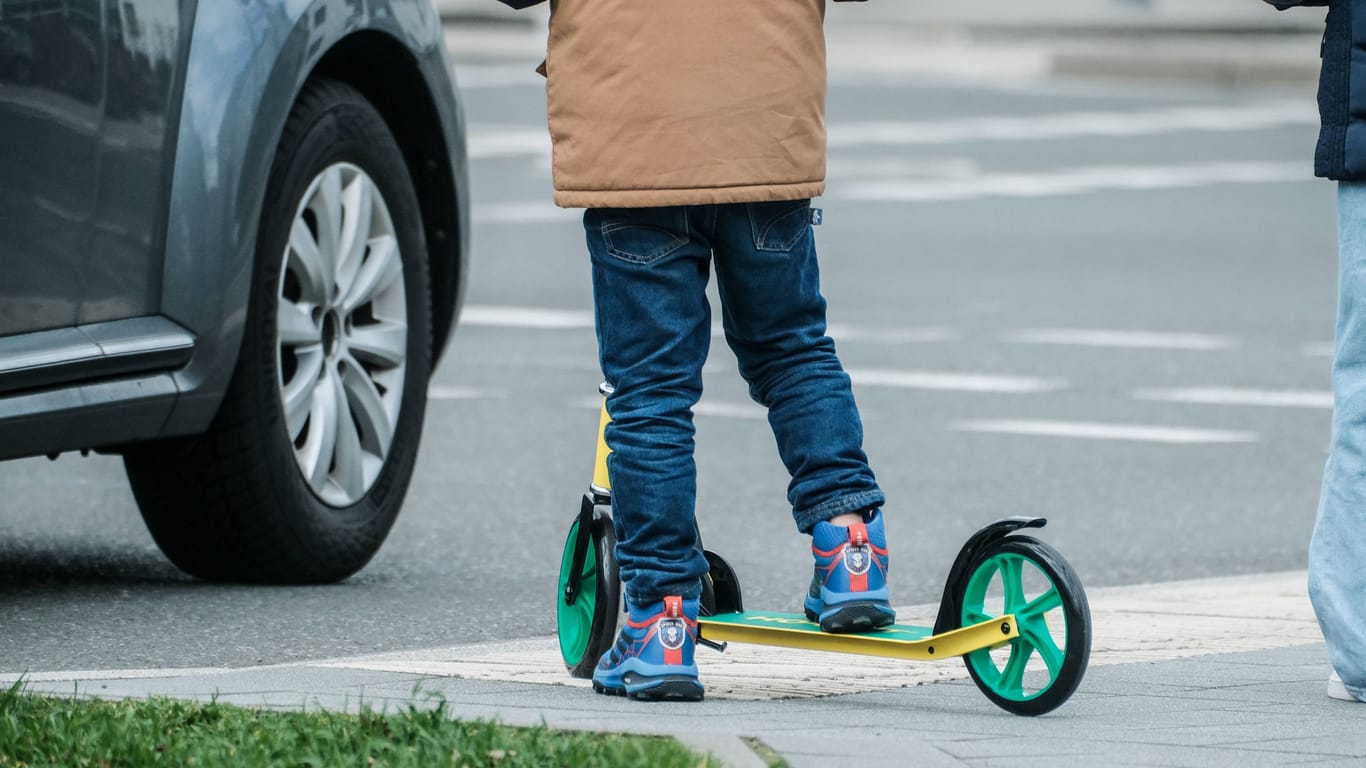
(1107,304)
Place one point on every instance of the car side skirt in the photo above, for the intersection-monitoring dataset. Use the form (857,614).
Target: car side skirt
(89,386)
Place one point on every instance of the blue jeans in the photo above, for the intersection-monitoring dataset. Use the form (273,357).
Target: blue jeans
(650,272)
(1337,551)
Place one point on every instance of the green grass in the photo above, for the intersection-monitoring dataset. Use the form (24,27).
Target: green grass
(81,733)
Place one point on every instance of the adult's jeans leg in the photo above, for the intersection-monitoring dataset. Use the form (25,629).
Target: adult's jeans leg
(774,318)
(650,271)
(1337,550)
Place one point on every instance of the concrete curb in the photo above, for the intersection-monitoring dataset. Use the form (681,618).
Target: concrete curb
(732,751)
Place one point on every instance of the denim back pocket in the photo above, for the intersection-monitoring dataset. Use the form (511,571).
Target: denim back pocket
(778,226)
(644,235)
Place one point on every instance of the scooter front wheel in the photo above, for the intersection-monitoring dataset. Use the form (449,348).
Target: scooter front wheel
(586,620)
(1040,669)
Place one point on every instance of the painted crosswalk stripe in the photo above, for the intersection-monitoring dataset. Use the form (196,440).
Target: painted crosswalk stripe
(951,381)
(1073,125)
(902,335)
(524,212)
(525,317)
(1270,398)
(445,392)
(490,140)
(1071,181)
(499,141)
(1105,431)
(1120,339)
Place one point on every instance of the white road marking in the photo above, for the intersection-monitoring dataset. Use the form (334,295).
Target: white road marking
(922,165)
(488,140)
(1270,398)
(1073,125)
(525,317)
(524,43)
(1072,181)
(904,335)
(853,61)
(740,410)
(498,76)
(731,410)
(524,212)
(1121,339)
(955,382)
(441,392)
(1105,431)
(492,141)
(538,318)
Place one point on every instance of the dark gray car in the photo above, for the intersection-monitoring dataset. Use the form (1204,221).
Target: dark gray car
(232,245)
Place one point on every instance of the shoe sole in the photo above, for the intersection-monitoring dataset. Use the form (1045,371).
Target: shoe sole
(853,618)
(1336,690)
(666,689)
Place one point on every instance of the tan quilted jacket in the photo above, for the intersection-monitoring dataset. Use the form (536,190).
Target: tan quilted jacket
(686,102)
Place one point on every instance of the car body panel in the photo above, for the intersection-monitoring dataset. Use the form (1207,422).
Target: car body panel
(168,192)
(50,115)
(145,50)
(247,64)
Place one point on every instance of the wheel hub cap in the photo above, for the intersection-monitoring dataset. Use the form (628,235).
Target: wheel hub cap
(342,334)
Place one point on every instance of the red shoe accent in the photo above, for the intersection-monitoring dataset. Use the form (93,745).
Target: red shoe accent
(858,534)
(673,609)
(858,537)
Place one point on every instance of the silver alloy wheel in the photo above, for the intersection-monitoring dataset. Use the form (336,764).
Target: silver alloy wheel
(342,334)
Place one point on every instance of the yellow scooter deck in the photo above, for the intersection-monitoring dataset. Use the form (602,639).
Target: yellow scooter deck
(899,641)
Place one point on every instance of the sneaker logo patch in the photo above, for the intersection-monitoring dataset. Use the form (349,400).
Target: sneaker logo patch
(671,633)
(857,560)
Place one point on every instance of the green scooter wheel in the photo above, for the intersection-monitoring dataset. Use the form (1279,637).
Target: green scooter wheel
(587,623)
(1041,668)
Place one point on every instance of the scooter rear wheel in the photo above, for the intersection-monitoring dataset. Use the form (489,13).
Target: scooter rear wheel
(587,624)
(1041,668)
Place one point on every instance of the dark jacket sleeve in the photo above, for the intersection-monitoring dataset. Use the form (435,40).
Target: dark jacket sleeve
(520,4)
(1281,5)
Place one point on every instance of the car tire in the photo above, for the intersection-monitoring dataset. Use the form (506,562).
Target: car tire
(234,503)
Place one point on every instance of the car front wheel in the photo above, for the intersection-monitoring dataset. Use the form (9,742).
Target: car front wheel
(304,468)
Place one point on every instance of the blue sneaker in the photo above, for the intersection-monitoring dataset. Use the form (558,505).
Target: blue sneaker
(653,656)
(849,589)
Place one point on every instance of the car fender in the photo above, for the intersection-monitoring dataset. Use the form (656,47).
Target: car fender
(247,63)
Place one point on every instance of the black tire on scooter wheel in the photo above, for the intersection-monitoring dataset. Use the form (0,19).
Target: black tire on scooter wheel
(1059,607)
(588,626)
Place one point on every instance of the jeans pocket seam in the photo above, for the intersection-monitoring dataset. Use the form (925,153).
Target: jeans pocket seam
(644,258)
(761,241)
(618,251)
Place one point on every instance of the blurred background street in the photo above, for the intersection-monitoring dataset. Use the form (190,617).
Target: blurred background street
(1077,265)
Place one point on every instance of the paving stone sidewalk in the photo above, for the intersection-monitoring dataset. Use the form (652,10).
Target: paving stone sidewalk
(1260,708)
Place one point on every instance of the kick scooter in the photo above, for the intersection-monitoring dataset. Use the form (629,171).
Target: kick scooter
(1012,608)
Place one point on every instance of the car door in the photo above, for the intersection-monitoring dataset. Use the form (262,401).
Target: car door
(51,81)
(145,53)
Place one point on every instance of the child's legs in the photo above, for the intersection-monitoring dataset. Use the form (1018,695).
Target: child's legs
(1337,551)
(774,318)
(654,328)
